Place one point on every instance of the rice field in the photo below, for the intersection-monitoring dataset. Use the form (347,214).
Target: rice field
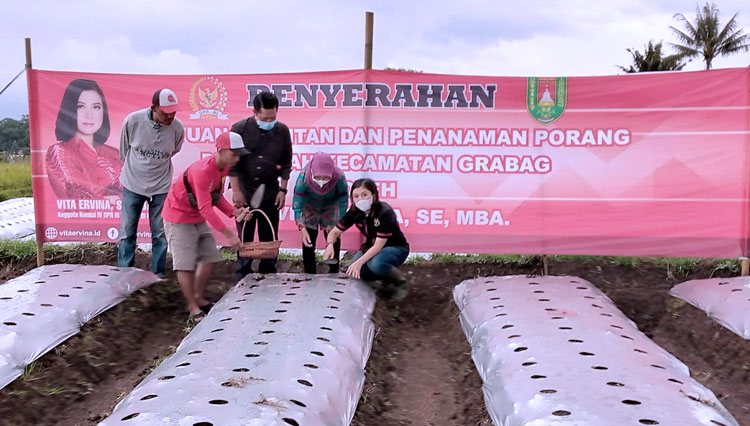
(15,179)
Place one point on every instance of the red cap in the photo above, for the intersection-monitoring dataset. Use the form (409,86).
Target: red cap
(233,141)
(166,99)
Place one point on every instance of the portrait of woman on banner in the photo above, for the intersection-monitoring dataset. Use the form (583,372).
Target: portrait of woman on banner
(80,165)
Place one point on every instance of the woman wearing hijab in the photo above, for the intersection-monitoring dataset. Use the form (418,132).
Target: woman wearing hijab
(320,201)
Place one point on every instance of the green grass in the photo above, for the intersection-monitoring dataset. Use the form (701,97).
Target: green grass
(18,250)
(674,265)
(50,390)
(478,258)
(29,372)
(680,265)
(416,260)
(730,265)
(15,180)
(576,258)
(631,261)
(25,250)
(289,256)
(228,254)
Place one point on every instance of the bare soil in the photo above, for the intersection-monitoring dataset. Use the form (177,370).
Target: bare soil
(420,371)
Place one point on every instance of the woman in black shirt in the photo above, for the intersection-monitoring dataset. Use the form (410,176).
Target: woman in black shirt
(385,247)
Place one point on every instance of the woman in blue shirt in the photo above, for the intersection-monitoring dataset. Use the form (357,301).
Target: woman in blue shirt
(320,199)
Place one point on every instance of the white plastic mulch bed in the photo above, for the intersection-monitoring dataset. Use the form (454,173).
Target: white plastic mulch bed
(17,218)
(47,305)
(726,300)
(284,350)
(557,351)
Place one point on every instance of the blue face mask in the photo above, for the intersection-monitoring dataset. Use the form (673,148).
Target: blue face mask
(266,125)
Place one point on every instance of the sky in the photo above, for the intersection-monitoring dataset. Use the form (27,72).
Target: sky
(493,38)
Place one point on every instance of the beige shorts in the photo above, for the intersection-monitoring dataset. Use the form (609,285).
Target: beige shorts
(191,244)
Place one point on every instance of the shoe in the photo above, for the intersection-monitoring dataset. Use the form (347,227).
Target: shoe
(207,308)
(395,286)
(384,289)
(197,317)
(400,292)
(162,275)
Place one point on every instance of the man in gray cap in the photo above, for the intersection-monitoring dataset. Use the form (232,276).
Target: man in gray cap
(150,138)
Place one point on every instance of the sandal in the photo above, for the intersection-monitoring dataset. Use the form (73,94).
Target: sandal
(197,317)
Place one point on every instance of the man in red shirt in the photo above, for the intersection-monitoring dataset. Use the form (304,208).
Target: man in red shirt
(188,213)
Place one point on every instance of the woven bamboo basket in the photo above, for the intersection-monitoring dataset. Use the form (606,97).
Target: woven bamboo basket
(259,249)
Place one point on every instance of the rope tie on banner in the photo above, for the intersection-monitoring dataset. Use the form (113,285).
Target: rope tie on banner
(14,79)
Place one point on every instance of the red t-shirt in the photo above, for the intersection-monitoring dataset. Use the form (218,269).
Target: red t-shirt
(203,176)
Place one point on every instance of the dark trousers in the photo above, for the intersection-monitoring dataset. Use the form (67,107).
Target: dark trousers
(381,264)
(267,266)
(308,253)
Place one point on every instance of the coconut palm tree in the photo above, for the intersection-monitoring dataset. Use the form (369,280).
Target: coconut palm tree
(652,59)
(705,37)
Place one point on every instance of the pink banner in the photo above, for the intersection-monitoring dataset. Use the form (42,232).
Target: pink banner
(640,164)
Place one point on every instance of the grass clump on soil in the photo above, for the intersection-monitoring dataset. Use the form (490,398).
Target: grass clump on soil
(15,180)
(731,266)
(17,250)
(679,265)
(573,258)
(293,257)
(228,254)
(29,371)
(80,252)
(675,265)
(20,250)
(474,258)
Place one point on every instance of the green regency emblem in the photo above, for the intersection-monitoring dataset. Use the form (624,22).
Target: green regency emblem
(546,97)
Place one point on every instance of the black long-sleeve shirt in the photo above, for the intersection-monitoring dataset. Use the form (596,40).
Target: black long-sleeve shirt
(270,157)
(380,223)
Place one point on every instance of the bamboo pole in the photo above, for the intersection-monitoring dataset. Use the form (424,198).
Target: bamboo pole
(369,25)
(28,53)
(744,266)
(39,237)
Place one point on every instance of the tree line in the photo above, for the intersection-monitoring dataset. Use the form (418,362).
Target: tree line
(704,37)
(14,137)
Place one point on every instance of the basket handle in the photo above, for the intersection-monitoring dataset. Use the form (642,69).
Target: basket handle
(244,224)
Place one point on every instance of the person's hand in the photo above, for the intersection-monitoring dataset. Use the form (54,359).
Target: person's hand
(328,253)
(354,269)
(232,240)
(238,199)
(305,237)
(280,200)
(242,213)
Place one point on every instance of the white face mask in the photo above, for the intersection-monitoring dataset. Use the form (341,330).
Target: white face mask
(321,182)
(364,204)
